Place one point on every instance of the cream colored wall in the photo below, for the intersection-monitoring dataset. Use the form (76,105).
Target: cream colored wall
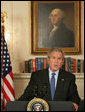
(18,29)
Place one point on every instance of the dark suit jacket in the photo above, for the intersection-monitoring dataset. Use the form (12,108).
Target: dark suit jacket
(39,85)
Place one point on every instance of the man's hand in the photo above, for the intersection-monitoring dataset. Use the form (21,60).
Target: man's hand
(76,106)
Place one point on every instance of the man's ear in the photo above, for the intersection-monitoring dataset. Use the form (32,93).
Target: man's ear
(62,61)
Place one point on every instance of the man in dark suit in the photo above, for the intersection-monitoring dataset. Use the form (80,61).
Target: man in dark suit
(53,83)
(58,35)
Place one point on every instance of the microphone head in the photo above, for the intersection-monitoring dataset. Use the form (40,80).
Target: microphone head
(34,90)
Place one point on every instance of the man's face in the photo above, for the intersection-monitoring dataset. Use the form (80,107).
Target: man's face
(55,61)
(55,17)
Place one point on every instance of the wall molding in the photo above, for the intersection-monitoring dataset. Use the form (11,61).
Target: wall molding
(28,75)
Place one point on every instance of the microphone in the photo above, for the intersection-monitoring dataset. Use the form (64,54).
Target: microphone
(38,91)
(43,90)
(33,91)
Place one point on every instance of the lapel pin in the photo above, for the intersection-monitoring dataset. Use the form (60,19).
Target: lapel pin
(62,79)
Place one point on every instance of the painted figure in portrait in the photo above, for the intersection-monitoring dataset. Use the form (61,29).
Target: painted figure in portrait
(58,35)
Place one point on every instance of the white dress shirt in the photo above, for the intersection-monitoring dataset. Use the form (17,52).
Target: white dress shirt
(56,76)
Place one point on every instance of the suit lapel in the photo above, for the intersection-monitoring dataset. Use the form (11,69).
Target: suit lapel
(48,84)
(60,84)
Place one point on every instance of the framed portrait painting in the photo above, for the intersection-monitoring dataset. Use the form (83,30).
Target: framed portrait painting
(55,24)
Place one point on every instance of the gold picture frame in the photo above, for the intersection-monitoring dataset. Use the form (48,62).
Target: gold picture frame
(40,11)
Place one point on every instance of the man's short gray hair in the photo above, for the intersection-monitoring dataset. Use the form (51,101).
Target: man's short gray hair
(57,50)
(61,12)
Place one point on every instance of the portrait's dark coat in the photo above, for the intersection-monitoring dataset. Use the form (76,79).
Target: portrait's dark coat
(62,37)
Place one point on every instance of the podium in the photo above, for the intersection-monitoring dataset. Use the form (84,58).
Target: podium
(53,106)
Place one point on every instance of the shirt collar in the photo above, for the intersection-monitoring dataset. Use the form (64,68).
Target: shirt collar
(56,72)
